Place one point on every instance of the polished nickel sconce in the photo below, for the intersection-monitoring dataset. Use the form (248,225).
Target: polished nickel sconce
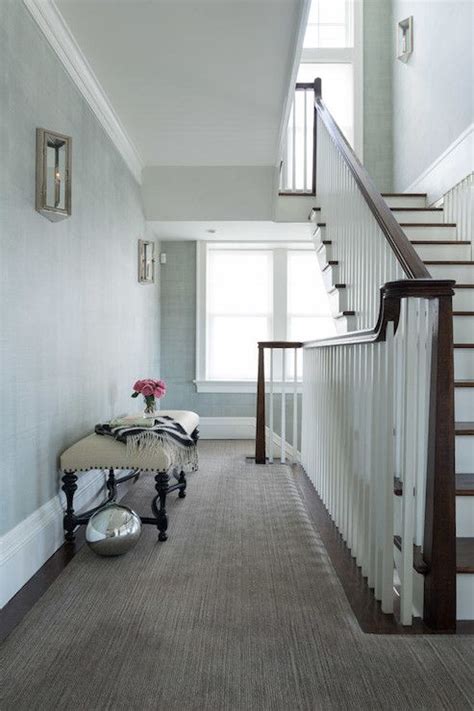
(53,174)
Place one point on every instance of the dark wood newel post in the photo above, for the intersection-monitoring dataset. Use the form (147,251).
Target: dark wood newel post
(260,454)
(439,545)
(317,95)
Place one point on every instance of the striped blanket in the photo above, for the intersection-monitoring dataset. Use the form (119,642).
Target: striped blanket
(165,434)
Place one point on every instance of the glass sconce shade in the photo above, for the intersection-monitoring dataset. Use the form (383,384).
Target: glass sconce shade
(53,174)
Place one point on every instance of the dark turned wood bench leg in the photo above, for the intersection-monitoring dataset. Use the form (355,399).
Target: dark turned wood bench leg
(69,487)
(161,485)
(182,481)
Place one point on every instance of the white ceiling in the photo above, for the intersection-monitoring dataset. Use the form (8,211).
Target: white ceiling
(233,231)
(194,82)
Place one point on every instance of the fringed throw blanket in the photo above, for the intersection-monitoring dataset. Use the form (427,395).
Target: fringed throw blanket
(165,434)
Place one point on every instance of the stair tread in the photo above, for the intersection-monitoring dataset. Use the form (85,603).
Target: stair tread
(465,555)
(464,383)
(463,286)
(464,428)
(463,313)
(320,224)
(344,313)
(404,195)
(440,241)
(418,209)
(427,224)
(463,345)
(464,484)
(463,262)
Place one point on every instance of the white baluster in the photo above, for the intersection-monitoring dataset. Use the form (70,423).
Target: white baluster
(295,404)
(283,407)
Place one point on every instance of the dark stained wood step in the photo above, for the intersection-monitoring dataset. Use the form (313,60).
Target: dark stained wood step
(337,286)
(464,484)
(464,383)
(463,313)
(320,224)
(331,263)
(454,262)
(404,195)
(427,224)
(463,286)
(465,555)
(439,241)
(327,241)
(418,209)
(464,428)
(418,563)
(463,345)
(302,194)
(344,313)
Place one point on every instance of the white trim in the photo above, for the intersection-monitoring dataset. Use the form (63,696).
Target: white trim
(288,447)
(201,291)
(452,166)
(54,28)
(236,386)
(227,427)
(27,546)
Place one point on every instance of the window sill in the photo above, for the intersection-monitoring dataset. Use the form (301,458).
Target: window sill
(242,386)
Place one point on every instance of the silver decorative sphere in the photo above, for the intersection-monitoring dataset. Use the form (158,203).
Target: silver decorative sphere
(113,530)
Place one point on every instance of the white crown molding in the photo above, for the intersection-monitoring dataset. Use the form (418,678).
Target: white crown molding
(27,546)
(54,28)
(449,168)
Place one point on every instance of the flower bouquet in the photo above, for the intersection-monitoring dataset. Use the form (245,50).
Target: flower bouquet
(151,391)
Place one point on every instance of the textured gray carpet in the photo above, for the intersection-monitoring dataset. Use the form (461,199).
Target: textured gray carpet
(240,609)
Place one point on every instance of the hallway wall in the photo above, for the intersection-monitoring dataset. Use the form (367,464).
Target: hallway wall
(77,328)
(432,92)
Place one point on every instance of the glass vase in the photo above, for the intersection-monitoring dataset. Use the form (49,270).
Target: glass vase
(150,406)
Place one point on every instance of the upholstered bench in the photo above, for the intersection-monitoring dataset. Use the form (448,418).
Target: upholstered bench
(102,452)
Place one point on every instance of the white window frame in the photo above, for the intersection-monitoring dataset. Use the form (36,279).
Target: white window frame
(280,314)
(348,55)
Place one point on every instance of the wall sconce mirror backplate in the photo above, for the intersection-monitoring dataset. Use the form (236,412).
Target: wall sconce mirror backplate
(405,39)
(146,262)
(53,174)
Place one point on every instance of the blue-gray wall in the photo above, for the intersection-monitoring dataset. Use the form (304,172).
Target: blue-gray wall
(433,91)
(76,327)
(378,109)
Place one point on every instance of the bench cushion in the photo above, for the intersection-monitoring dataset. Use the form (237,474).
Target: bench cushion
(103,452)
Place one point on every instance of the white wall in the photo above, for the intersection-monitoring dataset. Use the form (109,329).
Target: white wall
(433,91)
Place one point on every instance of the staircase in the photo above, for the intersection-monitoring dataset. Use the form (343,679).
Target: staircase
(445,257)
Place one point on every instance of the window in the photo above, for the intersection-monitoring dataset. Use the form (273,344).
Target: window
(249,293)
(333,51)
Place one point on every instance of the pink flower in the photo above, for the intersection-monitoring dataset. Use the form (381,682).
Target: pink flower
(149,387)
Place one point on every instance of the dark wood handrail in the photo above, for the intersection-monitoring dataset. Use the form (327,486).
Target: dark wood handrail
(409,260)
(439,539)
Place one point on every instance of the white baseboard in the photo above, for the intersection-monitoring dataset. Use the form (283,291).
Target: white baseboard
(227,427)
(27,546)
(452,166)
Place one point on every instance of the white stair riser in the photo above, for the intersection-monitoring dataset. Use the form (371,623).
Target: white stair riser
(452,251)
(463,329)
(330,276)
(338,301)
(463,273)
(405,201)
(465,456)
(442,232)
(419,216)
(322,255)
(464,404)
(464,596)
(463,299)
(464,364)
(465,516)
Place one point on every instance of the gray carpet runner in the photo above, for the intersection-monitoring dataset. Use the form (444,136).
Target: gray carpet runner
(239,610)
